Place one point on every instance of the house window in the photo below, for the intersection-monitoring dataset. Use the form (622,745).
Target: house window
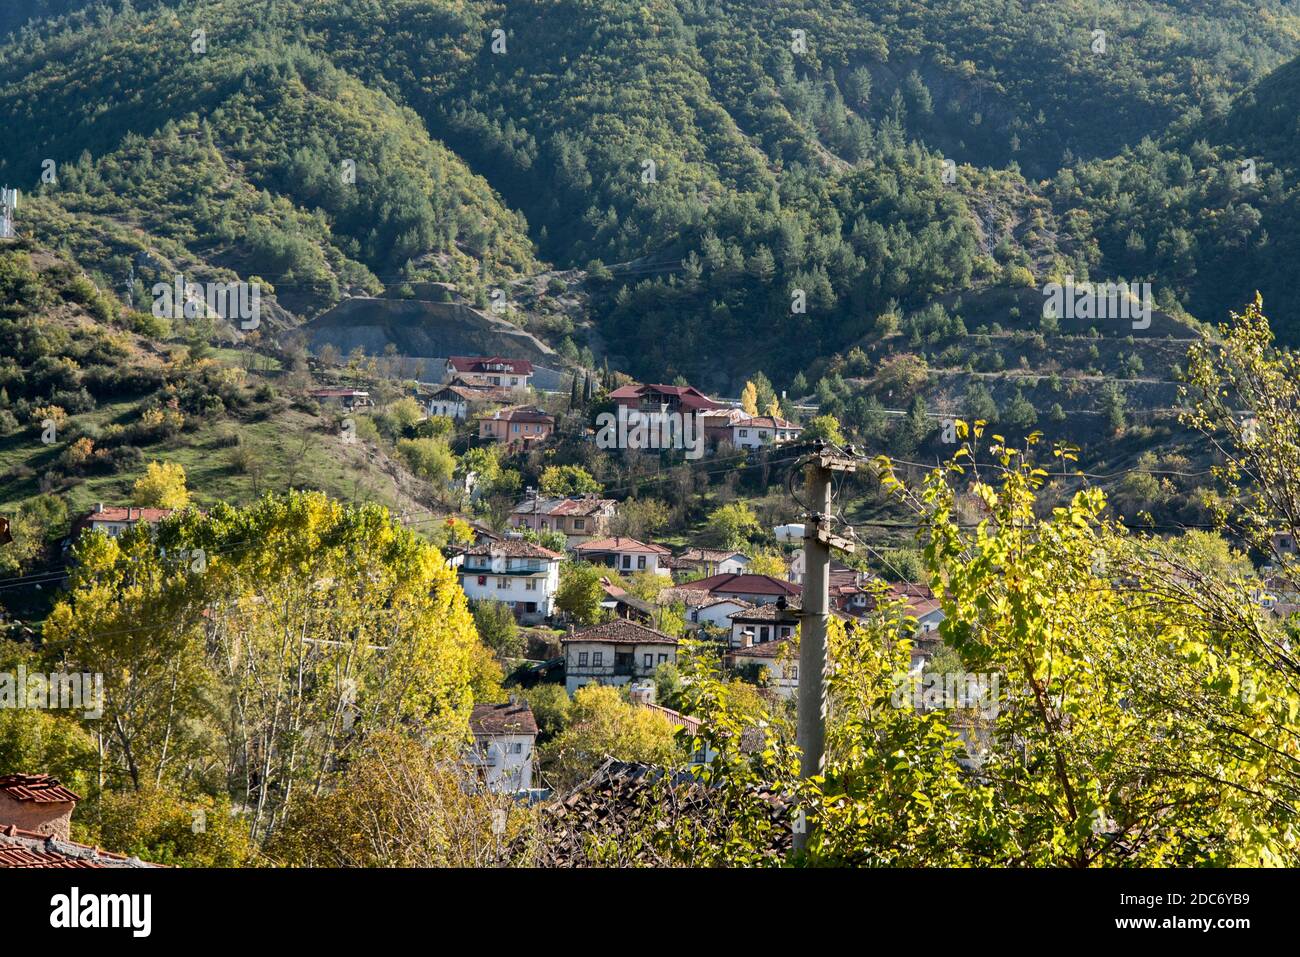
(627,561)
(597,658)
(649,661)
(517,747)
(582,658)
(663,658)
(530,586)
(744,433)
(640,561)
(503,583)
(514,428)
(792,672)
(579,524)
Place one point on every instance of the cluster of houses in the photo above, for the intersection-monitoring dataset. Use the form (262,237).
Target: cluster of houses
(753,617)
(721,423)
(493,389)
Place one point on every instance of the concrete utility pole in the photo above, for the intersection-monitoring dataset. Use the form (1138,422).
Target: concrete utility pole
(818,542)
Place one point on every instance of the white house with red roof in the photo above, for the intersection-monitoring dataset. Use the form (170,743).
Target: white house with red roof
(523,575)
(760,430)
(491,370)
(113,520)
(615,653)
(627,555)
(505,737)
(764,623)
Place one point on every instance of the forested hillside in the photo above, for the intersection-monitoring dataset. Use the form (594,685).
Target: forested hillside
(731,156)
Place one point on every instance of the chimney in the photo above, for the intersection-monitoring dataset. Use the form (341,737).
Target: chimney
(37,802)
(99,507)
(747,638)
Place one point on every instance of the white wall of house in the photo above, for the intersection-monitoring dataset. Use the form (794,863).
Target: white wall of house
(599,662)
(633,562)
(505,760)
(519,582)
(746,436)
(763,632)
(451,408)
(716,616)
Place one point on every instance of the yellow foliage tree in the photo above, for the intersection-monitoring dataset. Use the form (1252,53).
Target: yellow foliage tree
(161,486)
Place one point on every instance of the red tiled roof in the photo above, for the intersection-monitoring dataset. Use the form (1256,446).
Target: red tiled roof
(16,857)
(509,718)
(764,649)
(688,396)
(744,583)
(620,544)
(622,631)
(564,506)
(520,414)
(127,513)
(511,548)
(692,725)
(482,364)
(20,848)
(38,788)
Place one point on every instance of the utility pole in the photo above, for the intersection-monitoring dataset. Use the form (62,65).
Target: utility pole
(818,540)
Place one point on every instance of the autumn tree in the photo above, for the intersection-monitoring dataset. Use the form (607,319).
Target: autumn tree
(161,486)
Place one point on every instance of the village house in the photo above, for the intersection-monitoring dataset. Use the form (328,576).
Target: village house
(776,661)
(459,401)
(626,555)
(516,428)
(718,424)
(716,612)
(712,561)
(491,370)
(344,398)
(755,589)
(682,399)
(615,653)
(505,736)
(113,520)
(579,518)
(622,605)
(760,430)
(764,623)
(523,575)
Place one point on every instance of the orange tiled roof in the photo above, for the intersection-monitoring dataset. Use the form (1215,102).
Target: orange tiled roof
(38,788)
